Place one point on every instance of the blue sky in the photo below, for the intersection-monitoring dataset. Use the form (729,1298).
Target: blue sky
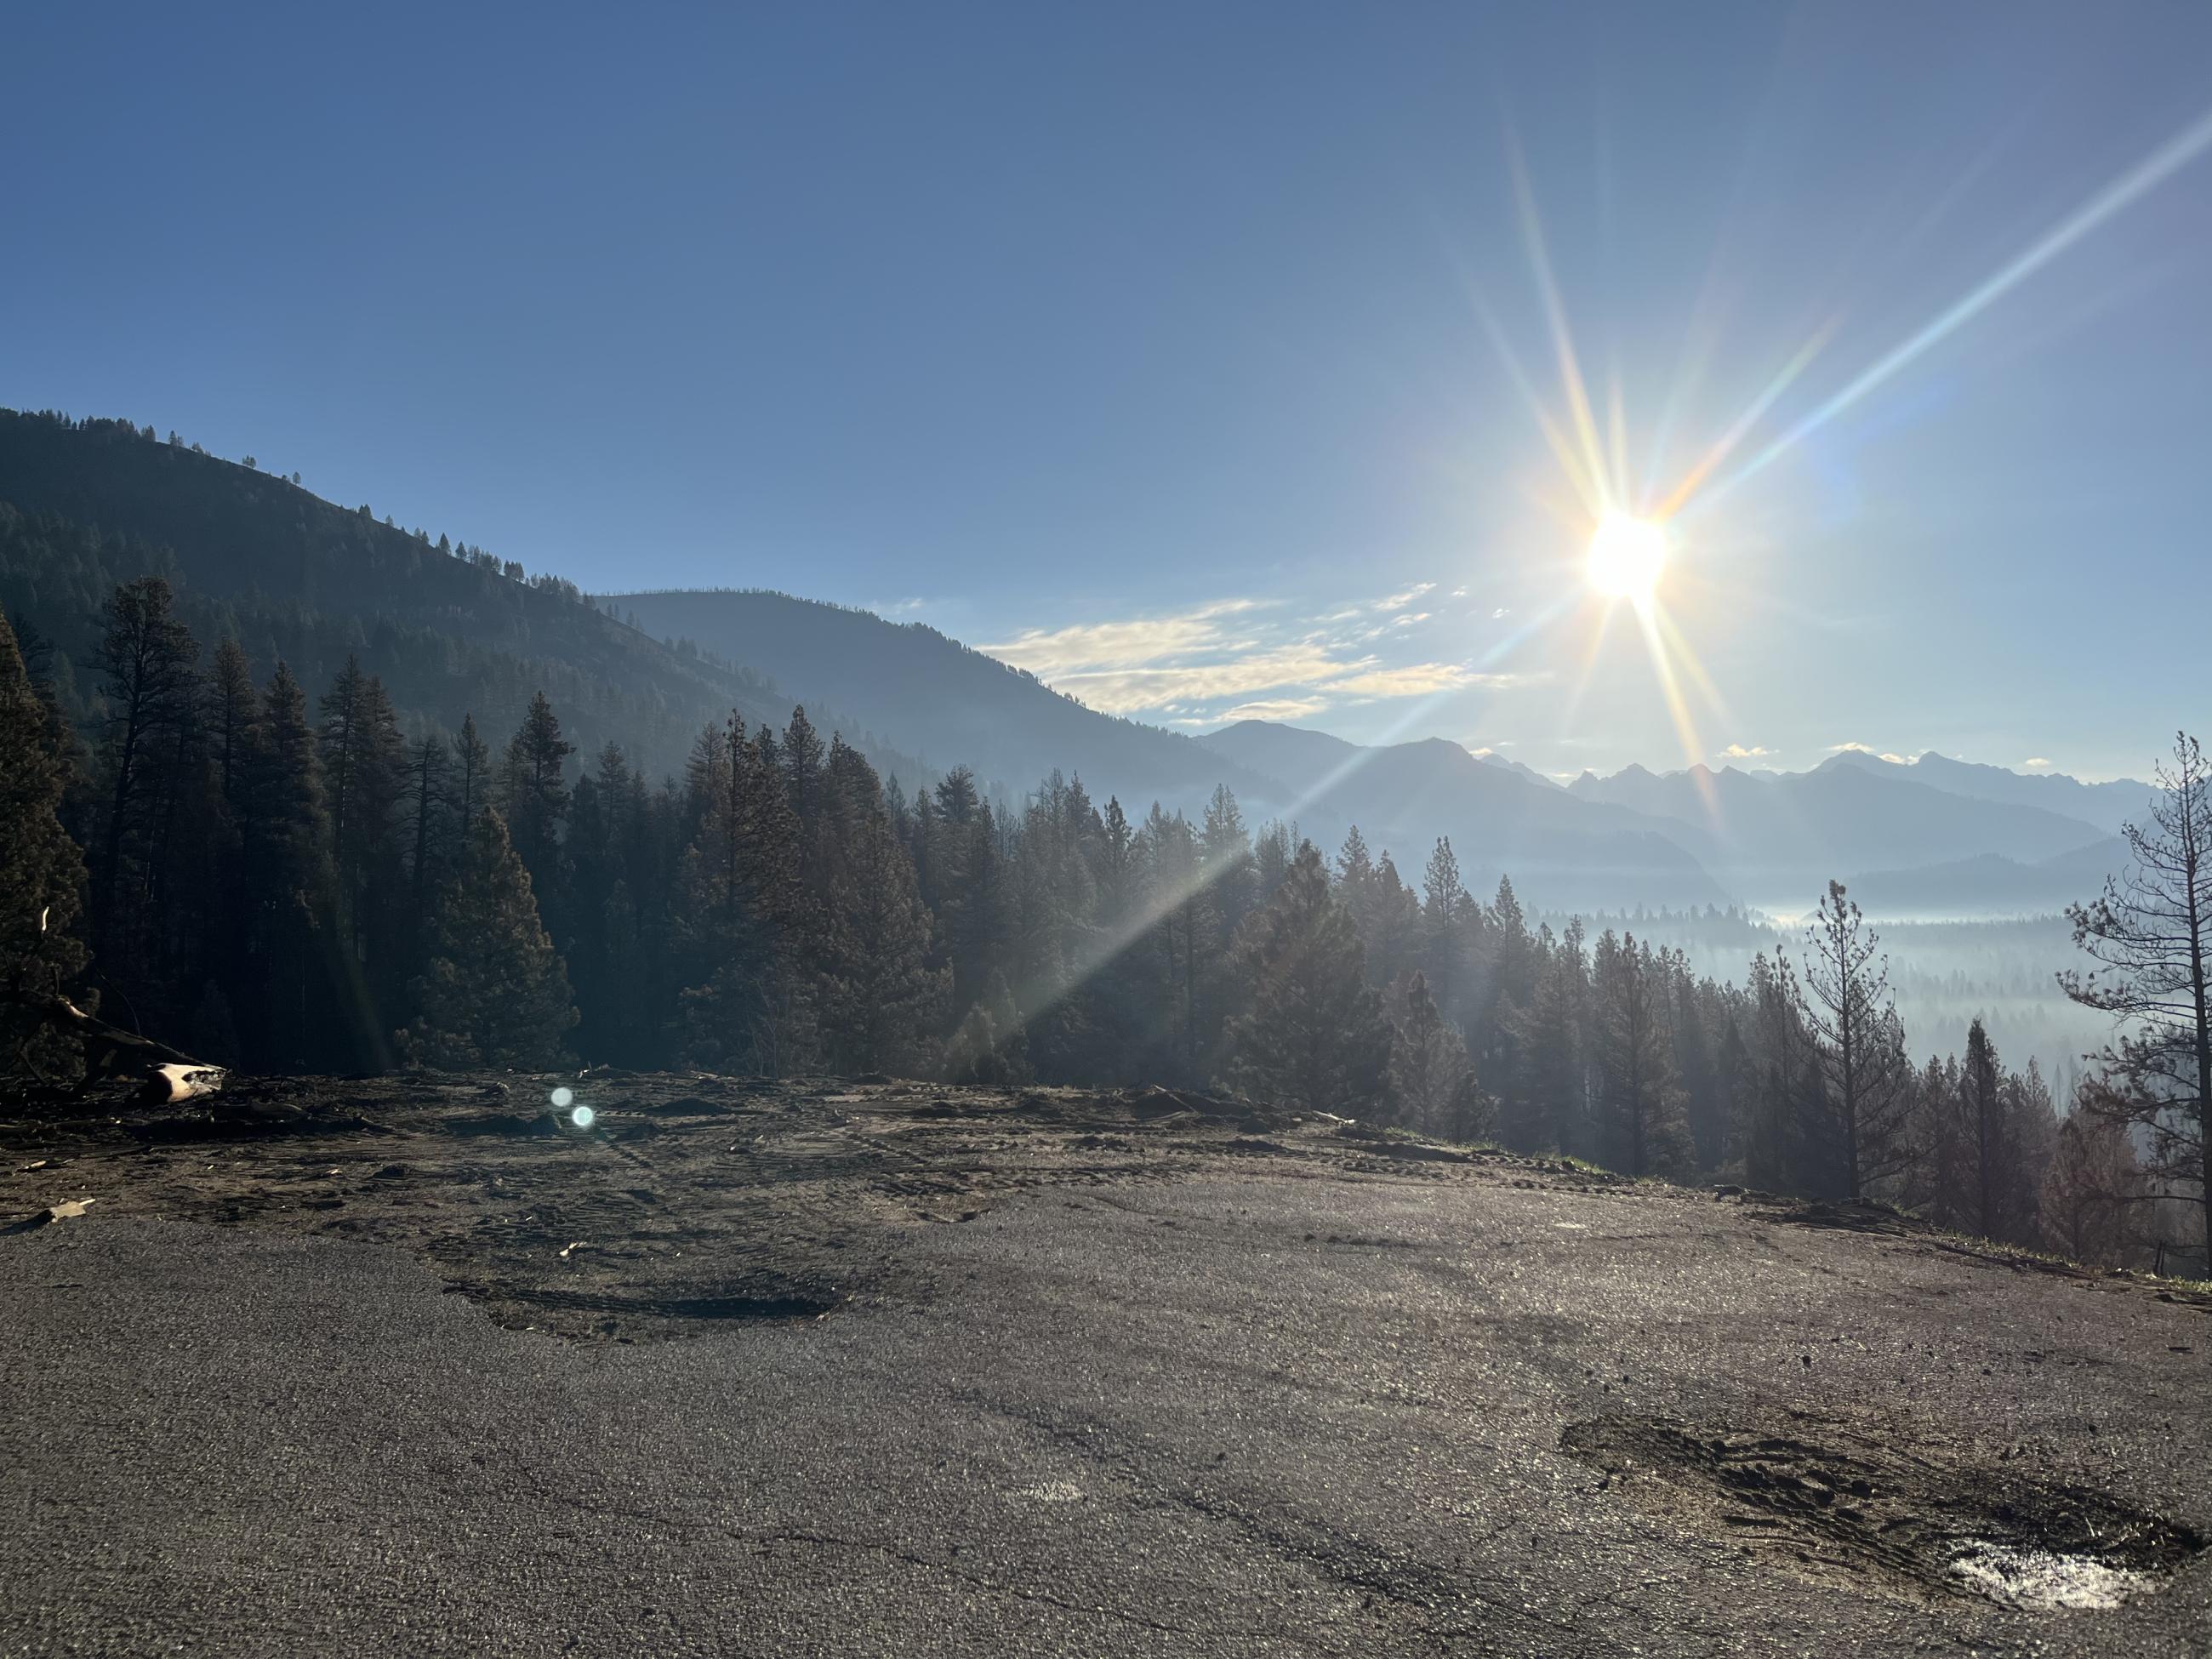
(1169,349)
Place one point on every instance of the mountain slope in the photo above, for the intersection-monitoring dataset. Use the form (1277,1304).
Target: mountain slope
(946,703)
(1777,836)
(1561,852)
(1991,885)
(85,505)
(1519,769)
(2107,805)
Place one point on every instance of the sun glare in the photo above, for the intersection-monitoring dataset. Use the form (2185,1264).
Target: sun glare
(1625,557)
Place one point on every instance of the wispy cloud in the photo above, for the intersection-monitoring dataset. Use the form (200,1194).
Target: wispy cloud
(1400,601)
(1065,652)
(1228,661)
(1422,679)
(1276,709)
(1145,686)
(1739,751)
(2034,762)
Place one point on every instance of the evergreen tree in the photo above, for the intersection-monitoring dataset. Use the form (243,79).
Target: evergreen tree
(284,839)
(41,875)
(887,1000)
(430,808)
(990,1045)
(1314,1036)
(149,659)
(231,709)
(2092,1191)
(1431,1080)
(746,1003)
(1639,1085)
(1182,942)
(495,993)
(2151,935)
(533,788)
(1845,1002)
(1546,1108)
(883,1001)
(1271,860)
(1980,1104)
(1225,852)
(363,762)
(471,772)
(1446,910)
(803,768)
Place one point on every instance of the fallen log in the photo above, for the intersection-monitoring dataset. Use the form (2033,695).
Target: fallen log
(170,1084)
(168,1075)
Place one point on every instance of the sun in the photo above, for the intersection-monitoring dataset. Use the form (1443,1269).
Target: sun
(1625,557)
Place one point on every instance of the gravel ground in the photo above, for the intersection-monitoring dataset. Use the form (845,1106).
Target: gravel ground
(414,1366)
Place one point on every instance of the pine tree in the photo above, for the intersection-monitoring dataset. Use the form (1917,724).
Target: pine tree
(746,1002)
(1546,1106)
(1182,938)
(231,709)
(284,839)
(2151,934)
(1845,1002)
(1446,908)
(1980,1105)
(1314,1036)
(471,772)
(148,657)
(1225,852)
(533,788)
(2092,1190)
(887,1000)
(41,874)
(991,1045)
(495,993)
(1639,1085)
(1431,1080)
(1271,860)
(429,810)
(363,762)
(803,768)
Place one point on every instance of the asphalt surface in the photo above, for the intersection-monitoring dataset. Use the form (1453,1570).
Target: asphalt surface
(867,1369)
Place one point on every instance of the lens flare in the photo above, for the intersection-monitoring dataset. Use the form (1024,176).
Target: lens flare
(1625,557)
(563,1098)
(582,1117)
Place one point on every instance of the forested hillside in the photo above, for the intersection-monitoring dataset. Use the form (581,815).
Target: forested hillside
(938,699)
(450,629)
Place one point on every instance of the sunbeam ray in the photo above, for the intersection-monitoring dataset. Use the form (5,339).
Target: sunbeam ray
(2130,186)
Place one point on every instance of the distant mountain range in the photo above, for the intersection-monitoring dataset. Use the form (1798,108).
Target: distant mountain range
(1560,851)
(2107,805)
(1768,836)
(453,630)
